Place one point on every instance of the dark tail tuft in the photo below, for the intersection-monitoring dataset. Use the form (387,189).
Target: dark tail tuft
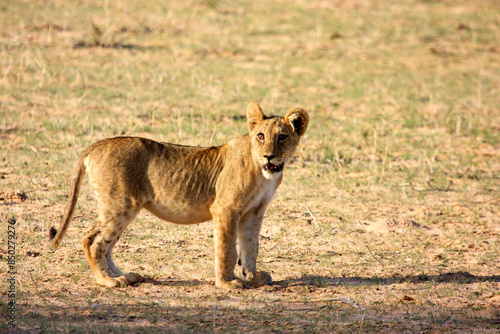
(52,233)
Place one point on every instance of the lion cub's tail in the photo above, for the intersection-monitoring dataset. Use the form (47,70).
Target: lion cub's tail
(56,236)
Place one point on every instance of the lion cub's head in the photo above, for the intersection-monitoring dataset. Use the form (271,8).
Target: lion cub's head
(274,139)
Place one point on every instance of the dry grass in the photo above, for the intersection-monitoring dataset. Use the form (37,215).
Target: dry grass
(392,201)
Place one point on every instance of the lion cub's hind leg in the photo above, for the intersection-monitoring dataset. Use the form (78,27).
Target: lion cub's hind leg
(115,272)
(95,249)
(98,246)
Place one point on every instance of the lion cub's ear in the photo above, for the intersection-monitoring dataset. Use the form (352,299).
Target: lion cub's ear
(254,115)
(298,119)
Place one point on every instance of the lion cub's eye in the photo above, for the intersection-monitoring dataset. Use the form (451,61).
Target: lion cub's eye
(260,136)
(282,137)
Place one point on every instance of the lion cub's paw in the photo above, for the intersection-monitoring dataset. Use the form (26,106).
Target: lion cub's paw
(260,278)
(235,284)
(113,282)
(134,278)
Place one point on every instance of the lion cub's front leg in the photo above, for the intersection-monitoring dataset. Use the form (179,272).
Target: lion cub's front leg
(225,224)
(248,237)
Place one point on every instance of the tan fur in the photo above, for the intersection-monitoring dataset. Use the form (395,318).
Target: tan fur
(231,184)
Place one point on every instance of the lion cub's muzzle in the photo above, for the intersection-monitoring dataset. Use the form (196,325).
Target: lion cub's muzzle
(273,165)
(273,168)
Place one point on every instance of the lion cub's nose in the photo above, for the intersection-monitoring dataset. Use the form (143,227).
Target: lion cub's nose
(270,157)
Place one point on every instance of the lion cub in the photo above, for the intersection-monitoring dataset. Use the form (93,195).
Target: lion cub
(231,184)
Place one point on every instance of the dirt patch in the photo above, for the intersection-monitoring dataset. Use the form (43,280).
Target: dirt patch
(384,226)
(12,196)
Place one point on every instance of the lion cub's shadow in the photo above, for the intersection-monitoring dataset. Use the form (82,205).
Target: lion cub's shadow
(172,282)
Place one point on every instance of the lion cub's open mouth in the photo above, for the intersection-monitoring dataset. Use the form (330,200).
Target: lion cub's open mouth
(273,168)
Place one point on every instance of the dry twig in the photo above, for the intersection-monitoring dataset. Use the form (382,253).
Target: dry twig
(312,216)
